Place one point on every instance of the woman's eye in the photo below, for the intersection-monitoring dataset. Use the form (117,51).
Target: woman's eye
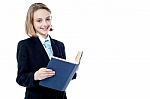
(48,19)
(39,20)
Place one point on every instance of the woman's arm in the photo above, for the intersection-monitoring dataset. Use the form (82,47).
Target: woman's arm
(25,77)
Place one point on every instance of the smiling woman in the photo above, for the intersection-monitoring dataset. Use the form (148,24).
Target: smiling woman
(38,16)
(33,56)
(42,23)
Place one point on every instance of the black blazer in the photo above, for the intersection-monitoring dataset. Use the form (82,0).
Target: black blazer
(31,56)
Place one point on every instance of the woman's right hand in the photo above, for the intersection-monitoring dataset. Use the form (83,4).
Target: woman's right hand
(43,73)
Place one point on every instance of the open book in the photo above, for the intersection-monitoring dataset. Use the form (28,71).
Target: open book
(64,72)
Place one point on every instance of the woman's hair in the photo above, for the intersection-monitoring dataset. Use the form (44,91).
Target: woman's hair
(29,27)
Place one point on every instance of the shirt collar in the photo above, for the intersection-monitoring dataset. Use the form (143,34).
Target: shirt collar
(43,39)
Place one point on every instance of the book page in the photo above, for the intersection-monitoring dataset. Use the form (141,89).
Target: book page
(78,57)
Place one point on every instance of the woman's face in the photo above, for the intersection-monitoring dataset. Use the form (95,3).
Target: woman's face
(42,22)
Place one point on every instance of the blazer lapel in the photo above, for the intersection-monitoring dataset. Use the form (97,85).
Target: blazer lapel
(55,49)
(58,51)
(40,49)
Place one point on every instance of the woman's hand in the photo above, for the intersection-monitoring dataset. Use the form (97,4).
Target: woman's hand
(43,73)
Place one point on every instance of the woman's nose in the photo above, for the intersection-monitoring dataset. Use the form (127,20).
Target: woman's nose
(45,23)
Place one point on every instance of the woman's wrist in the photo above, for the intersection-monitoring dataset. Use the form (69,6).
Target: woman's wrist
(35,75)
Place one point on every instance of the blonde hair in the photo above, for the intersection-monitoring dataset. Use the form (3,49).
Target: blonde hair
(29,27)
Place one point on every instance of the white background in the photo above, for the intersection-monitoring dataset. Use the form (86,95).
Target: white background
(114,35)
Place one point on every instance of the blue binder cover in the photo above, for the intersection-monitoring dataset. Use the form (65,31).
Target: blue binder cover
(64,72)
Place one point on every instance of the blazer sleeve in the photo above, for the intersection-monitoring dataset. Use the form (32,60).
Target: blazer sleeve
(25,77)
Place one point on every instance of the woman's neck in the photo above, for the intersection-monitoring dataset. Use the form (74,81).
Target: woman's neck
(43,36)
